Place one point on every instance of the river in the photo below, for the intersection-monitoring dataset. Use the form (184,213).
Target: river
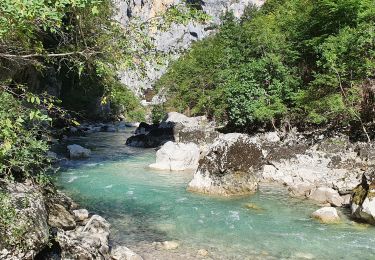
(144,206)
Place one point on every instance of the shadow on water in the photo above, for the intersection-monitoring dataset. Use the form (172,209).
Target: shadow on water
(129,218)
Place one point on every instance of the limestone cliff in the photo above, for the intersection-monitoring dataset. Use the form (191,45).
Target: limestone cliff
(170,42)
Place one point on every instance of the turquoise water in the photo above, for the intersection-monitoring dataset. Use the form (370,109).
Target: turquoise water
(144,206)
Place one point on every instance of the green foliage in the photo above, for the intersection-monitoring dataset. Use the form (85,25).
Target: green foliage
(298,61)
(126,103)
(22,152)
(158,112)
(183,14)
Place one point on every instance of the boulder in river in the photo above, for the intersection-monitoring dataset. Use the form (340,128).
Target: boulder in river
(177,157)
(325,195)
(363,199)
(78,152)
(230,167)
(174,127)
(326,215)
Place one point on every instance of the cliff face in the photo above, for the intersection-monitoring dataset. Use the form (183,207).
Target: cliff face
(171,42)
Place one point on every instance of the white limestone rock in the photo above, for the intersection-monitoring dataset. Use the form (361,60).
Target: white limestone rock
(326,215)
(325,195)
(177,157)
(78,152)
(81,214)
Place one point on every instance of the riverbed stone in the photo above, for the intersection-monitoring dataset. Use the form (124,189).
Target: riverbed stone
(326,215)
(203,252)
(177,157)
(166,245)
(124,253)
(78,152)
(229,168)
(326,195)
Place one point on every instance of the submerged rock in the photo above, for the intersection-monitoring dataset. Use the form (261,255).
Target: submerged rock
(229,168)
(166,245)
(177,157)
(202,252)
(124,253)
(326,215)
(253,206)
(363,199)
(78,152)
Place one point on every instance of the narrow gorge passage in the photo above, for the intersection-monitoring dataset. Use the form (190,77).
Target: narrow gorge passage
(146,206)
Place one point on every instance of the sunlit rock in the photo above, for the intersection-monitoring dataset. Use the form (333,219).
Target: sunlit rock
(229,168)
(326,215)
(326,195)
(177,157)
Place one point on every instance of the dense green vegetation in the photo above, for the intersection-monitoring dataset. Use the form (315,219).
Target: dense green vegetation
(292,62)
(59,62)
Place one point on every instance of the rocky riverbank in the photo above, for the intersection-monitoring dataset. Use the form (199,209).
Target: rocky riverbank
(330,170)
(46,224)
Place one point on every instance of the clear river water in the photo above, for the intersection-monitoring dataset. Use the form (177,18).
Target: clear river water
(144,206)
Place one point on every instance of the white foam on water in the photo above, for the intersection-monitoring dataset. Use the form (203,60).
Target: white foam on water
(130,192)
(71,179)
(108,186)
(234,215)
(181,199)
(91,164)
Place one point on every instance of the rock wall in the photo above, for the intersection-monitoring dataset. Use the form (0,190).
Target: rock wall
(170,43)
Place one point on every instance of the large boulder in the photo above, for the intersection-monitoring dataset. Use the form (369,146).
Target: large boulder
(78,152)
(326,215)
(325,195)
(230,167)
(151,139)
(173,118)
(174,127)
(25,231)
(88,242)
(363,199)
(177,157)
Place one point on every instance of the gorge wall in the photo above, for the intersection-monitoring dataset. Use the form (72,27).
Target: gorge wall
(170,42)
